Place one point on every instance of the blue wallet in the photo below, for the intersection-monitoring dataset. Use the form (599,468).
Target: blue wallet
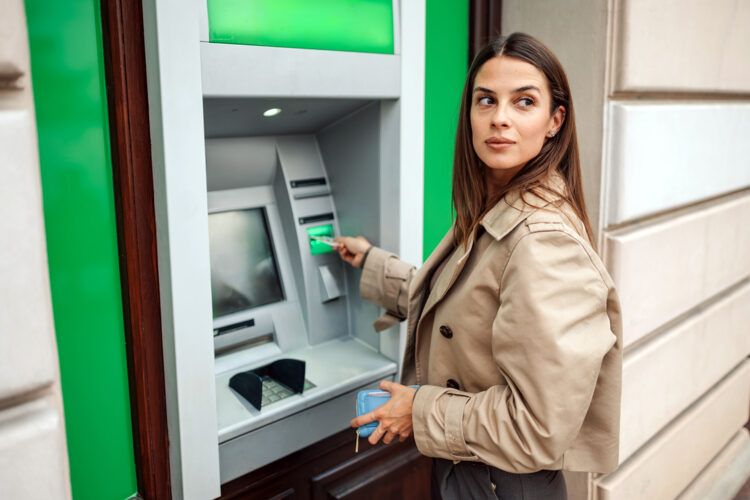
(367,401)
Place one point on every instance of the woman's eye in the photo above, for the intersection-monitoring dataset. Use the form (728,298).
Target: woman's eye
(525,102)
(485,100)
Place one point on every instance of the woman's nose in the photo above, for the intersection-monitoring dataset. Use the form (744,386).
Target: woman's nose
(500,118)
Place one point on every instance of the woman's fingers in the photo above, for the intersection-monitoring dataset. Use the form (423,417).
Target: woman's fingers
(365,419)
(388,437)
(394,417)
(387,385)
(355,245)
(378,433)
(352,249)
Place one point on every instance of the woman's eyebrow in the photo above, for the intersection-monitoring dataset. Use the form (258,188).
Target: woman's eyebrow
(525,88)
(518,90)
(482,89)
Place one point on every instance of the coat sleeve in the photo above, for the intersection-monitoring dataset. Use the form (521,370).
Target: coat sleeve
(385,281)
(549,338)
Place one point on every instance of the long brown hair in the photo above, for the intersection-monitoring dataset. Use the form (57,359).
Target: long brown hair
(559,153)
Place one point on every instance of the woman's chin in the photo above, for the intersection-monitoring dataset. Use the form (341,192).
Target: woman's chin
(504,166)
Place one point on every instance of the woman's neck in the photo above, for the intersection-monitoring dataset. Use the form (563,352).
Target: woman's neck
(496,179)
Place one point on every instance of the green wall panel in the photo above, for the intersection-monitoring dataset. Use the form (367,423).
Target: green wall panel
(71,111)
(351,25)
(447,46)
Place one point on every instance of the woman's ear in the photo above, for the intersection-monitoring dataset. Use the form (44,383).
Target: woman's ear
(556,121)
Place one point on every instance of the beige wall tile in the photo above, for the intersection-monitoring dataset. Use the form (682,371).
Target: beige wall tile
(33,458)
(13,48)
(668,463)
(664,376)
(665,268)
(32,452)
(664,155)
(704,486)
(683,45)
(27,359)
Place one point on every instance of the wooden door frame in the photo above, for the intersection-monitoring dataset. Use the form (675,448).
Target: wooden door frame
(485,23)
(130,139)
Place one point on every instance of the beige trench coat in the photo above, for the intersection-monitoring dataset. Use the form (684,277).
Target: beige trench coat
(518,350)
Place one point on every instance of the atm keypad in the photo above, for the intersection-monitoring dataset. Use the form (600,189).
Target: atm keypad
(274,391)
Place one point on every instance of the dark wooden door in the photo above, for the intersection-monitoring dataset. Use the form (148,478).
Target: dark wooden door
(330,469)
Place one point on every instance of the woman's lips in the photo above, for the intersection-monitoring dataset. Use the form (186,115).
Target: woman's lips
(498,145)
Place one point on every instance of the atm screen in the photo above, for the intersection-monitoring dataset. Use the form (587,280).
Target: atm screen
(244,273)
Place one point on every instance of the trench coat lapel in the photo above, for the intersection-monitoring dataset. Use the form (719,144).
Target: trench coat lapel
(416,300)
(419,286)
(448,276)
(498,222)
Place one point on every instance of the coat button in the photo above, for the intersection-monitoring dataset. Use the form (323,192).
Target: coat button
(446,331)
(451,384)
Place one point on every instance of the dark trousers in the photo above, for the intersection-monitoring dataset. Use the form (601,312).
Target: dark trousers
(472,480)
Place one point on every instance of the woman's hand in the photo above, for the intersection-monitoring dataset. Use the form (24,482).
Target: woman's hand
(352,249)
(394,416)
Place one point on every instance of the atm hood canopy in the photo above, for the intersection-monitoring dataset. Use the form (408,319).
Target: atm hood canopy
(243,117)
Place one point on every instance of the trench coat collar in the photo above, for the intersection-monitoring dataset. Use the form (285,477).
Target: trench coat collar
(512,210)
(499,221)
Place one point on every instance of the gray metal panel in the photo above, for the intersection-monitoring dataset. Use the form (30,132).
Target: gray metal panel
(351,152)
(397,27)
(300,158)
(241,162)
(390,202)
(335,367)
(245,70)
(283,202)
(256,449)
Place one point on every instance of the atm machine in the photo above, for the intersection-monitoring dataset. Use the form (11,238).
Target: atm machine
(279,295)
(258,151)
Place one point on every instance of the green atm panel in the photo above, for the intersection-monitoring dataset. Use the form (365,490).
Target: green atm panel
(347,25)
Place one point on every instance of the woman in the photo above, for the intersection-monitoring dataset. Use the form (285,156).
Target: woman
(514,331)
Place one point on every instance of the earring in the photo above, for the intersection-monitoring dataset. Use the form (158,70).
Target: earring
(552,134)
